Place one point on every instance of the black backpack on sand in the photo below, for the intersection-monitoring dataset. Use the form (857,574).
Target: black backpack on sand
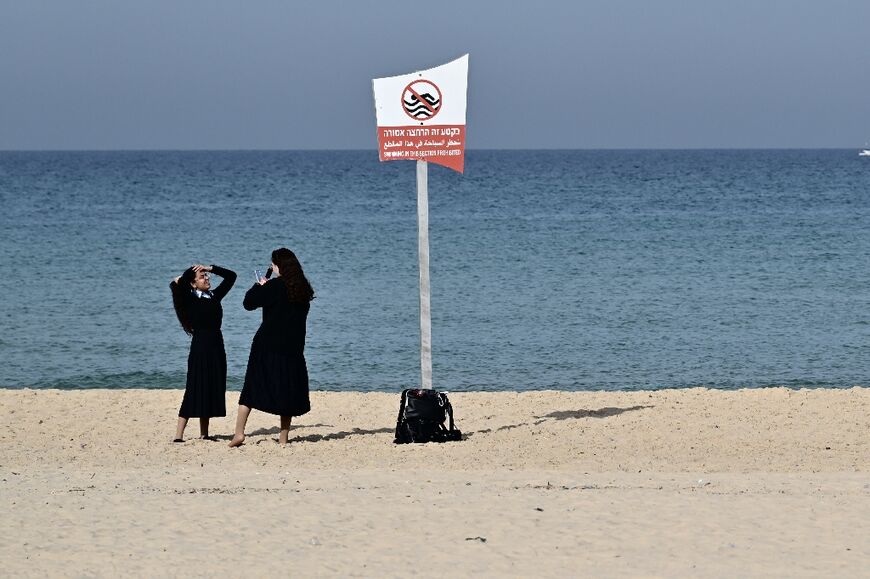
(421,417)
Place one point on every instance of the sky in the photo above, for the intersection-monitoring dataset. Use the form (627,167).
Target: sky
(281,74)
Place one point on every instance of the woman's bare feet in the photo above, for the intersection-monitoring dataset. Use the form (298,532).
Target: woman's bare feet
(179,429)
(285,430)
(241,420)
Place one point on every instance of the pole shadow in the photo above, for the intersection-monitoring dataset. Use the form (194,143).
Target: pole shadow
(606,412)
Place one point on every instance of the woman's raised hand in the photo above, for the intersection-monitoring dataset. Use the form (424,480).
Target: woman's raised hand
(199,267)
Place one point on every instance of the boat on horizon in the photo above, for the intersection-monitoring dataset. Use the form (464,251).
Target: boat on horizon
(864,153)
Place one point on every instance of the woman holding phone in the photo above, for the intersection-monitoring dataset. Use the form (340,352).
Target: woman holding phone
(199,311)
(276,380)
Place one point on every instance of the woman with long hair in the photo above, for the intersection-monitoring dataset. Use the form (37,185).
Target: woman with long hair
(276,380)
(199,311)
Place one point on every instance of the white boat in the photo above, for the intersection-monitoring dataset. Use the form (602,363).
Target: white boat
(864,153)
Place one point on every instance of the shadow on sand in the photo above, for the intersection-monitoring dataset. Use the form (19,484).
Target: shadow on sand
(577,414)
(607,412)
(310,437)
(563,415)
(273,430)
(340,435)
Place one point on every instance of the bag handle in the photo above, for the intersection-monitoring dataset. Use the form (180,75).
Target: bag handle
(401,410)
(449,408)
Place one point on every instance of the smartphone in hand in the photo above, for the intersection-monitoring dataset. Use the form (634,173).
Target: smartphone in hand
(257,275)
(269,272)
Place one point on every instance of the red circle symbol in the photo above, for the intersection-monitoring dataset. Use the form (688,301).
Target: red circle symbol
(421,100)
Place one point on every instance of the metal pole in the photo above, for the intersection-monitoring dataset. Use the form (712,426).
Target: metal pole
(423,242)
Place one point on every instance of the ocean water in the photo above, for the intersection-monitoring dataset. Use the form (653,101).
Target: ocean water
(574,270)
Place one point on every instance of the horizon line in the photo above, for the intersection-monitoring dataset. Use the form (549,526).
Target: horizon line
(375,150)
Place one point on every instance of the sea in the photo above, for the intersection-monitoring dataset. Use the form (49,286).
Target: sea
(567,270)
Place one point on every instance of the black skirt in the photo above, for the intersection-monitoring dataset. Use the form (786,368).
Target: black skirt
(276,381)
(205,392)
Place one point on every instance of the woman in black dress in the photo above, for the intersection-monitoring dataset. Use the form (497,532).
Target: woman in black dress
(199,310)
(276,380)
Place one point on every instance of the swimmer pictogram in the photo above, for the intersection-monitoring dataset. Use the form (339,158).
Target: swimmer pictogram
(421,100)
(421,115)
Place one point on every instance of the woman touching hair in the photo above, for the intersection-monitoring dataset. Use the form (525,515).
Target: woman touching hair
(276,380)
(199,311)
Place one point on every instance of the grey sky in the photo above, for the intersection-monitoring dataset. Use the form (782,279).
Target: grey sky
(219,74)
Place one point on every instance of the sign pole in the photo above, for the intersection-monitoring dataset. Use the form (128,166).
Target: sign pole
(421,117)
(423,244)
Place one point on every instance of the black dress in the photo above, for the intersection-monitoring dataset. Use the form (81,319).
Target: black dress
(205,392)
(276,380)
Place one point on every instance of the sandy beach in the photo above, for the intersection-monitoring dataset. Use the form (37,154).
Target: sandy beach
(749,483)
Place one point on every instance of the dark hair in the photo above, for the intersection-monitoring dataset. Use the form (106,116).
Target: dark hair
(180,292)
(298,288)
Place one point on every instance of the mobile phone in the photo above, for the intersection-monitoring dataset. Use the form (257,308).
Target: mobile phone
(257,276)
(269,272)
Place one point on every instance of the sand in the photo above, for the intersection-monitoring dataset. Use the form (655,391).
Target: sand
(672,483)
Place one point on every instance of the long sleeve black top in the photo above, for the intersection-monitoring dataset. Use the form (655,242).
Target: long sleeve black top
(283,327)
(206,313)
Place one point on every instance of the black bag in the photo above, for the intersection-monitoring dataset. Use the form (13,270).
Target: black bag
(421,417)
